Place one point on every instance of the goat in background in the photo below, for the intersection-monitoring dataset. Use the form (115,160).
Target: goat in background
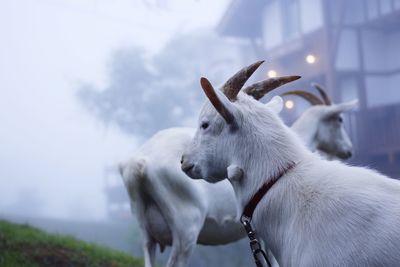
(321,126)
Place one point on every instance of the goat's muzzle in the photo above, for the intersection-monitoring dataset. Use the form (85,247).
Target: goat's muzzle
(186,166)
(345,155)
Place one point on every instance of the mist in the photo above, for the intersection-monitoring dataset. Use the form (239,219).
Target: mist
(84,83)
(53,151)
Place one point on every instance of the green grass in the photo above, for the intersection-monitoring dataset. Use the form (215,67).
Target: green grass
(25,246)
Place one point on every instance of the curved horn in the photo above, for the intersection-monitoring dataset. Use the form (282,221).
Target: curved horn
(258,90)
(221,105)
(313,99)
(232,87)
(323,94)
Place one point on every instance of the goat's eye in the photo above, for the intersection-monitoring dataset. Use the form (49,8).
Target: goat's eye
(340,119)
(204,125)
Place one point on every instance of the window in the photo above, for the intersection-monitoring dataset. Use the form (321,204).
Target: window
(354,11)
(380,50)
(285,20)
(272,25)
(372,9)
(348,89)
(347,57)
(311,15)
(386,6)
(291,22)
(382,89)
(396,4)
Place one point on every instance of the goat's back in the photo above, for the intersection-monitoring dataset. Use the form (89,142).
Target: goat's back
(337,215)
(155,171)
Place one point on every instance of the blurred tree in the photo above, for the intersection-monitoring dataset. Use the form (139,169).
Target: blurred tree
(148,94)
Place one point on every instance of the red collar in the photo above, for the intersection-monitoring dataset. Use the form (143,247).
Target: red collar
(252,204)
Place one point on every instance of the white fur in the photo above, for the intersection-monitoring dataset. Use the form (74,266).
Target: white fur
(173,209)
(322,130)
(320,213)
(158,188)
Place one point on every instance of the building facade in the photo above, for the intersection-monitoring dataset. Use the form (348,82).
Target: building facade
(350,47)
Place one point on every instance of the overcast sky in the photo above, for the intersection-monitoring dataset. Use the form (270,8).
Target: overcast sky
(49,145)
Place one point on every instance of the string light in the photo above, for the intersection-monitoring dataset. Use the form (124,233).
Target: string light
(310,59)
(289,104)
(272,74)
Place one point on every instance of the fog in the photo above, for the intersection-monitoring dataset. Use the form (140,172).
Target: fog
(53,152)
(84,83)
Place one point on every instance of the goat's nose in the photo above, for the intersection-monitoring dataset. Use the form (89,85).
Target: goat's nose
(182,158)
(346,154)
(186,166)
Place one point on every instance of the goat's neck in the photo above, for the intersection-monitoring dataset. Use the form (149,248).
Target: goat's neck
(267,158)
(306,129)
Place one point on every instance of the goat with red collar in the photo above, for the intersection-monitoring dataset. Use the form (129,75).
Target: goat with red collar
(314,212)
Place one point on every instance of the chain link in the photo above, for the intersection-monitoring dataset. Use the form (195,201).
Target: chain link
(254,244)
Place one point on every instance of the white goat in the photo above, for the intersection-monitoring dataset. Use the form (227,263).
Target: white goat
(321,126)
(174,210)
(318,213)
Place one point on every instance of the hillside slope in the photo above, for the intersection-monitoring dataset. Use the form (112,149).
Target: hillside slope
(22,245)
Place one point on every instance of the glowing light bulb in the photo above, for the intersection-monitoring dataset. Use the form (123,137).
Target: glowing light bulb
(289,104)
(310,59)
(272,74)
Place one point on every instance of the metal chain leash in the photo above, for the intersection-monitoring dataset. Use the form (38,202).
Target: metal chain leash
(255,246)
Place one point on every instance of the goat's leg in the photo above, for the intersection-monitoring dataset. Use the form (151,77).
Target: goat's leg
(184,241)
(149,249)
(149,246)
(184,212)
(148,243)
(185,218)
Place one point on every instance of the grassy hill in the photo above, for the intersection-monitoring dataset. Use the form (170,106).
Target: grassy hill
(22,245)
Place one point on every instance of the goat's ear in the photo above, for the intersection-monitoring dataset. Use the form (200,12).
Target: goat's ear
(220,102)
(343,107)
(276,104)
